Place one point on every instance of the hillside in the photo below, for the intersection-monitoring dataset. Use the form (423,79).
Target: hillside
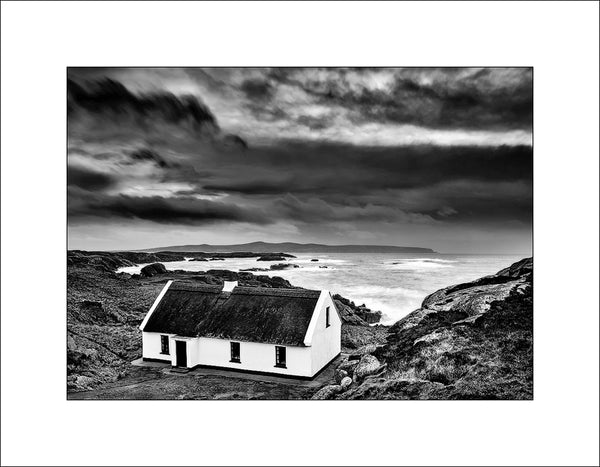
(265,247)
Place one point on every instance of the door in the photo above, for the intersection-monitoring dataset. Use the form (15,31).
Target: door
(181,353)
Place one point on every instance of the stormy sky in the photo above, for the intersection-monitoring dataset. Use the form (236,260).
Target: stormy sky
(437,158)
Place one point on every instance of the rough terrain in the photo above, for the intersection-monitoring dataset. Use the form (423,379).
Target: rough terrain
(468,341)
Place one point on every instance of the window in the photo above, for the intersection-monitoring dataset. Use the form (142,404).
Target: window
(164,345)
(327,317)
(235,352)
(280,357)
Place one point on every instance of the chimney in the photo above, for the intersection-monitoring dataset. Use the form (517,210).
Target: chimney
(229,285)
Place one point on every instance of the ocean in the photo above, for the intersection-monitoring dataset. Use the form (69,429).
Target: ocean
(392,283)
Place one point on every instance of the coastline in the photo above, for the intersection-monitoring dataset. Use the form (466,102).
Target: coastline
(452,347)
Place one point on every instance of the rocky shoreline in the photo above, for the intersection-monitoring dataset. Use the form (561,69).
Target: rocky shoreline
(467,341)
(118,259)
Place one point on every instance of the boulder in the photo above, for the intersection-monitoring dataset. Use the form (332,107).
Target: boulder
(327,392)
(346,383)
(368,365)
(339,375)
(363,350)
(153,269)
(348,366)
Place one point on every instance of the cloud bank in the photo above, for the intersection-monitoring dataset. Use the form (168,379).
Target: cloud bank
(393,156)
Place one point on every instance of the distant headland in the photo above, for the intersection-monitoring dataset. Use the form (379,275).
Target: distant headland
(266,247)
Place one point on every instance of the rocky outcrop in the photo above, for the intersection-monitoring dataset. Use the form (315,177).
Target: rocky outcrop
(153,270)
(110,261)
(282,266)
(523,268)
(353,314)
(101,260)
(472,300)
(274,257)
(468,341)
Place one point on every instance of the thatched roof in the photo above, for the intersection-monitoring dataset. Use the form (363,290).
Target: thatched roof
(250,314)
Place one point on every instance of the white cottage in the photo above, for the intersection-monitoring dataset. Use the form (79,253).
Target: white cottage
(292,332)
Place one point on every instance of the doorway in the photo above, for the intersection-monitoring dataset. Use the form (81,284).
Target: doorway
(181,353)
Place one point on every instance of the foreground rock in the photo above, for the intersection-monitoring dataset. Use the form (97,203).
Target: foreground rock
(368,365)
(346,383)
(468,341)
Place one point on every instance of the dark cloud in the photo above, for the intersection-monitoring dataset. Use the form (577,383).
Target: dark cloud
(103,109)
(235,141)
(329,168)
(205,175)
(84,204)
(458,184)
(144,154)
(257,89)
(110,96)
(88,179)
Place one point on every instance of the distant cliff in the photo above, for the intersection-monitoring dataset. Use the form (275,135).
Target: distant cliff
(265,247)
